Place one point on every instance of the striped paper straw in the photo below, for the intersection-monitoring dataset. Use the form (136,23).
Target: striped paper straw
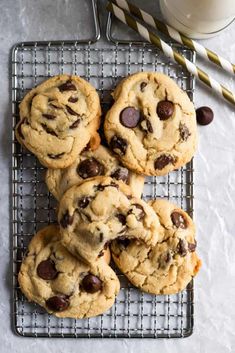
(170,53)
(177,36)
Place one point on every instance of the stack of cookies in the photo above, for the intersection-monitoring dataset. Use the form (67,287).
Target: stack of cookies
(150,130)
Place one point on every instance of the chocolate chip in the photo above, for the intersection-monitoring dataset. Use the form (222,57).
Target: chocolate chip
(121,174)
(204,115)
(178,220)
(75,124)
(101,253)
(71,111)
(55,156)
(146,126)
(142,86)
(55,106)
(162,161)
(88,217)
(102,187)
(83,201)
(123,241)
(130,117)
(184,132)
(192,246)
(73,99)
(91,283)
(181,247)
(101,237)
(165,110)
(49,116)
(49,130)
(149,126)
(90,168)
(66,220)
(67,86)
(137,210)
(118,145)
(165,259)
(122,218)
(106,245)
(58,303)
(46,270)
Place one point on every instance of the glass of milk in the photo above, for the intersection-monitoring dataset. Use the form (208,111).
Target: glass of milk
(198,18)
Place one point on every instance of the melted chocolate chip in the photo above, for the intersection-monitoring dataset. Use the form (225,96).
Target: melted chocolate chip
(75,124)
(101,253)
(142,86)
(137,210)
(123,241)
(118,145)
(71,111)
(192,246)
(49,116)
(66,220)
(90,168)
(91,283)
(49,130)
(149,126)
(130,117)
(165,110)
(165,259)
(178,220)
(58,303)
(84,202)
(55,106)
(122,218)
(67,86)
(73,99)
(145,125)
(184,132)
(121,174)
(55,156)
(46,270)
(102,187)
(106,245)
(181,247)
(204,115)
(162,161)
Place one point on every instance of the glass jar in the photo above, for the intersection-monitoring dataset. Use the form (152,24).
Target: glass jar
(198,18)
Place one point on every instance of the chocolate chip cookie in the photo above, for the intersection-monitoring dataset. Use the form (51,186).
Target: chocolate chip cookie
(58,119)
(167,267)
(91,164)
(64,285)
(152,125)
(99,210)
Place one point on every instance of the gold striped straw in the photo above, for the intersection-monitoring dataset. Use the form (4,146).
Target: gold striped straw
(169,52)
(177,36)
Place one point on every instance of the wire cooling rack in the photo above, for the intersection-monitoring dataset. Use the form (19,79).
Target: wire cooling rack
(134,314)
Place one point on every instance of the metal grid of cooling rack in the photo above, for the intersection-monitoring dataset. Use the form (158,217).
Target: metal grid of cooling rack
(134,314)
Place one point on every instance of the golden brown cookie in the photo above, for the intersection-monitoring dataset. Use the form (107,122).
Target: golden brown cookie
(167,267)
(99,210)
(151,126)
(58,118)
(64,285)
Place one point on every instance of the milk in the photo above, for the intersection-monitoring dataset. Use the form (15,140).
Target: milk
(198,18)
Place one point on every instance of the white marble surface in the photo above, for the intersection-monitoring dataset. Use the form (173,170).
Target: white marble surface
(214,191)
